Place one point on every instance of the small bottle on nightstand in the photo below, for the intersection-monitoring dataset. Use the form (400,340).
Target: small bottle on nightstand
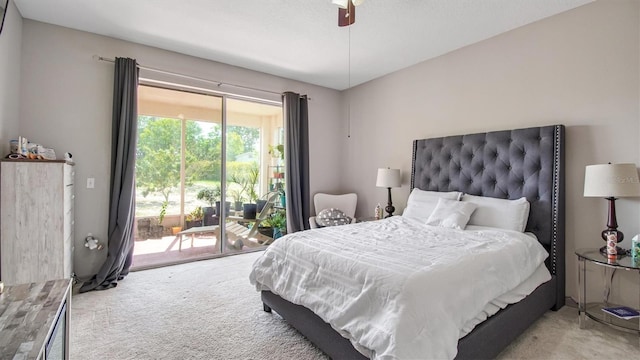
(378,214)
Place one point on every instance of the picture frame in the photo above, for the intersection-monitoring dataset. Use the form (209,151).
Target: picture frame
(4,4)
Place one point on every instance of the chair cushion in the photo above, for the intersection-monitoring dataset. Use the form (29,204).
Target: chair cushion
(332,217)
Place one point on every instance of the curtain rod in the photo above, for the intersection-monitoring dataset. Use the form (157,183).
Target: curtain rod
(215,82)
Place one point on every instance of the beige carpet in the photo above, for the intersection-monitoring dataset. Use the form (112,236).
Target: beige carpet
(208,310)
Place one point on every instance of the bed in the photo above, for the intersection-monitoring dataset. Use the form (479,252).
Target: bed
(502,164)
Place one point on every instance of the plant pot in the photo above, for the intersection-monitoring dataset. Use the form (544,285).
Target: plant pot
(144,223)
(260,204)
(144,229)
(227,207)
(266,230)
(157,231)
(237,206)
(278,233)
(192,223)
(208,212)
(175,230)
(249,211)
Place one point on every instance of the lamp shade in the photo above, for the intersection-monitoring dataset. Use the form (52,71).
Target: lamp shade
(388,178)
(611,180)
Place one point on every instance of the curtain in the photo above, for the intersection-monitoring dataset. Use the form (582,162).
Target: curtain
(122,194)
(297,193)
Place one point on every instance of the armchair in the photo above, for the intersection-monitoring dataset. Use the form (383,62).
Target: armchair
(346,203)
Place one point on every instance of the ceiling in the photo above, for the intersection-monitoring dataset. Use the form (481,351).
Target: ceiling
(300,39)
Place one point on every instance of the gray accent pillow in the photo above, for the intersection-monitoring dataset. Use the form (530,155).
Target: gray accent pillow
(332,217)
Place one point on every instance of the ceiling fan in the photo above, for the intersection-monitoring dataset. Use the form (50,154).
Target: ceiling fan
(346,11)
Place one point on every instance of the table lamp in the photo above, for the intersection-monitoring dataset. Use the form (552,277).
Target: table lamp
(388,178)
(611,181)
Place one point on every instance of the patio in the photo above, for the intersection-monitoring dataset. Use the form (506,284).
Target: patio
(164,251)
(167,250)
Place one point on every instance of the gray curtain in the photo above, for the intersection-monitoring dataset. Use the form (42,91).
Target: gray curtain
(296,122)
(122,196)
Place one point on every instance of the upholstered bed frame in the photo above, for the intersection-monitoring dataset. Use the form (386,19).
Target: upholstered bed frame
(503,164)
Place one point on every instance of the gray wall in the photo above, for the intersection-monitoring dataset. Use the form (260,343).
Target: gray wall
(66,104)
(578,68)
(10,45)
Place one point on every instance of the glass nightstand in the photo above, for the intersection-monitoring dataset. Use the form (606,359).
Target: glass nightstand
(593,310)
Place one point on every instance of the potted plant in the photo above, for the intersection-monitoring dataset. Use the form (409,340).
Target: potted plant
(277,151)
(194,218)
(209,195)
(238,194)
(249,209)
(238,197)
(157,231)
(265,228)
(278,221)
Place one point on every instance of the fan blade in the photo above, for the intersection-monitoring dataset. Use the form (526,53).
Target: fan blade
(347,16)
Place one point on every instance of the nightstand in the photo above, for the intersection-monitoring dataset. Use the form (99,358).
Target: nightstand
(593,310)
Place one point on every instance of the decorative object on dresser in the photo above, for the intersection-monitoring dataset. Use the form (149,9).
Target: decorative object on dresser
(611,181)
(388,178)
(36,320)
(37,220)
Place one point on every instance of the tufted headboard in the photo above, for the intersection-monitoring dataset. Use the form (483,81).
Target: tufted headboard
(504,164)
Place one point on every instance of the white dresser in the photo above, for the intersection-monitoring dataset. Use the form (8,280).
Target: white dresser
(36,220)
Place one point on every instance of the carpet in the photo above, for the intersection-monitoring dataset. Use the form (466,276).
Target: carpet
(208,310)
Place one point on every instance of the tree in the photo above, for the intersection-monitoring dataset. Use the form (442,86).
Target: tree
(158,155)
(250,136)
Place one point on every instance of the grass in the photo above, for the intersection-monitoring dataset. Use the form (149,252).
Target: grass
(151,204)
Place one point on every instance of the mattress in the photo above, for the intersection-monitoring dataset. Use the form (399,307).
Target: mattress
(397,288)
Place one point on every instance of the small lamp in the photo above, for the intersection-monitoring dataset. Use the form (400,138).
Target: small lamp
(611,181)
(388,178)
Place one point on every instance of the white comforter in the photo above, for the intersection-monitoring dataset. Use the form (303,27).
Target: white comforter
(400,289)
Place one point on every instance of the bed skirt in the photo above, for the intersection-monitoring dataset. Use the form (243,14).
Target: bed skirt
(486,341)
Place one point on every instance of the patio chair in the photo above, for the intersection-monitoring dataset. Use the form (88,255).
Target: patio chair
(239,236)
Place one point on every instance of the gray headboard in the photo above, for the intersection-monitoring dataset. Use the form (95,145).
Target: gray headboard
(504,164)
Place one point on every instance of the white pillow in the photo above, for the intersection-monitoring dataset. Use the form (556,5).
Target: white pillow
(499,213)
(451,214)
(421,203)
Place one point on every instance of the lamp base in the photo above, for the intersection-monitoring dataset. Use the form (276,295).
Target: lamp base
(389,209)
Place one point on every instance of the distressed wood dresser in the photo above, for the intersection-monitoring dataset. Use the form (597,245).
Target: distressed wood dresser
(34,320)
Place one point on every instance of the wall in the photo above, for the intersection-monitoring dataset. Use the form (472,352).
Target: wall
(66,103)
(579,68)
(10,43)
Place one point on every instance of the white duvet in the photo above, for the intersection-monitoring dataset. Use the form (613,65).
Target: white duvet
(396,288)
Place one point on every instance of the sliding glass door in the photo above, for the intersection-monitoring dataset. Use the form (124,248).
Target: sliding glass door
(209,174)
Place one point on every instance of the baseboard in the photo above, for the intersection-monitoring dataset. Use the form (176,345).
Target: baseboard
(571,302)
